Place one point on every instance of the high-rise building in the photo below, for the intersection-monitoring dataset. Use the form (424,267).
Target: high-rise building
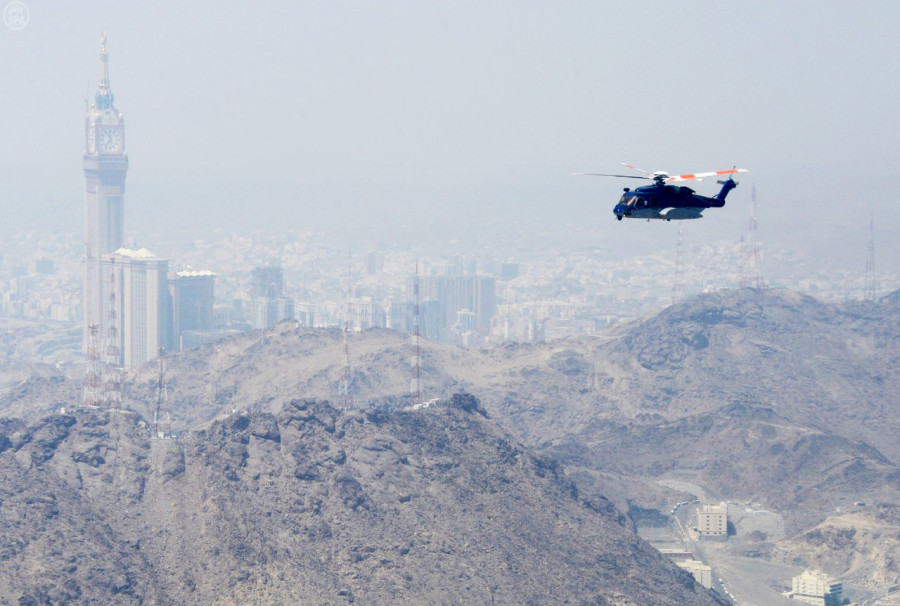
(454,294)
(266,282)
(193,298)
(269,306)
(105,164)
(140,282)
(269,311)
(363,313)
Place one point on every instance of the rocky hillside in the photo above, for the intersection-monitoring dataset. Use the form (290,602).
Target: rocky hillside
(863,544)
(758,394)
(817,375)
(309,505)
(761,395)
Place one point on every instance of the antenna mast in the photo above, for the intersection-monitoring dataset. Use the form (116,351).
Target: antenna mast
(113,371)
(90,396)
(758,281)
(870,289)
(678,286)
(416,385)
(162,424)
(91,387)
(344,387)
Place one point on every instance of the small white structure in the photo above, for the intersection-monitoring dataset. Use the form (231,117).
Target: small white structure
(815,587)
(712,522)
(702,572)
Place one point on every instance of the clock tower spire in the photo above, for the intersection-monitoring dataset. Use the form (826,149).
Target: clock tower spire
(105,165)
(104,98)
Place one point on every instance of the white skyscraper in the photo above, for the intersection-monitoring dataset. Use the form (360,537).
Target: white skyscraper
(105,164)
(142,298)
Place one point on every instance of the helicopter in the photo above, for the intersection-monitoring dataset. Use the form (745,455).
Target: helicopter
(663,201)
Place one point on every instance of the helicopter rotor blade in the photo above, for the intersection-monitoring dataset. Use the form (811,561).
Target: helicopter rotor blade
(647,174)
(699,176)
(607,175)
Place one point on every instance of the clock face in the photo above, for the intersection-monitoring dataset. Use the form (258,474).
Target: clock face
(110,139)
(91,142)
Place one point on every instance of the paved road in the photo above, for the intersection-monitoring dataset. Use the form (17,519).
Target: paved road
(748,581)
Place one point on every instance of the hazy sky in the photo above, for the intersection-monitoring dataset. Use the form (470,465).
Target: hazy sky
(340,115)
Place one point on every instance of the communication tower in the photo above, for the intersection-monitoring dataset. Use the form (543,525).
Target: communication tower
(344,386)
(758,281)
(91,388)
(870,293)
(112,372)
(162,423)
(678,286)
(415,383)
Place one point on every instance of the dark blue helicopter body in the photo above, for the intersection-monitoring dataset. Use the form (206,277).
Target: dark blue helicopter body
(660,201)
(664,201)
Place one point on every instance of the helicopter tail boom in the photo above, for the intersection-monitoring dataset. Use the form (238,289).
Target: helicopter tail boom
(727,186)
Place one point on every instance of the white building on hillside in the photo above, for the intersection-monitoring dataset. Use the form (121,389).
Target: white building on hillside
(712,522)
(815,587)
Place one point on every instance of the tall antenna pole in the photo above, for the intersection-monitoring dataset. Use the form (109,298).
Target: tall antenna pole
(162,427)
(90,395)
(416,385)
(743,278)
(91,387)
(870,289)
(344,387)
(113,372)
(678,286)
(758,281)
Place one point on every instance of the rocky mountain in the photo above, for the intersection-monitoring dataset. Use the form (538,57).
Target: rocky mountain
(864,544)
(310,505)
(760,395)
(764,394)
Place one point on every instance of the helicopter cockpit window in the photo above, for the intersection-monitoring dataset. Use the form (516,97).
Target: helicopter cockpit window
(628,200)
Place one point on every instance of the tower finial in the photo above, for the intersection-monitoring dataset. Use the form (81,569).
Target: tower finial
(104,97)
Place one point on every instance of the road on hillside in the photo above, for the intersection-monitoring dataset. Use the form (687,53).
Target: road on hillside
(747,581)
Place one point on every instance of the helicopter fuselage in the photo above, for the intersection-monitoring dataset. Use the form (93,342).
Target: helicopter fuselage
(668,202)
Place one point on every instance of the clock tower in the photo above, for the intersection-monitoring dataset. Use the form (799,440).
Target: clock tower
(105,164)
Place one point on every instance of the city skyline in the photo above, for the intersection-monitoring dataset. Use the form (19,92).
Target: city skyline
(106,163)
(374,123)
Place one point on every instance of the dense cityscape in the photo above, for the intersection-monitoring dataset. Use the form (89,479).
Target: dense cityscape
(138,296)
(535,296)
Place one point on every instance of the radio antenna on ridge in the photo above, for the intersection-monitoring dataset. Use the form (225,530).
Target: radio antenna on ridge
(416,383)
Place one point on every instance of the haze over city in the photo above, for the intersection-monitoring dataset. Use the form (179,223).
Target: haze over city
(325,302)
(402,121)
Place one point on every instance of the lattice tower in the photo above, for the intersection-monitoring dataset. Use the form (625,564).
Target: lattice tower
(112,372)
(415,386)
(162,422)
(755,249)
(91,395)
(870,293)
(344,386)
(678,286)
